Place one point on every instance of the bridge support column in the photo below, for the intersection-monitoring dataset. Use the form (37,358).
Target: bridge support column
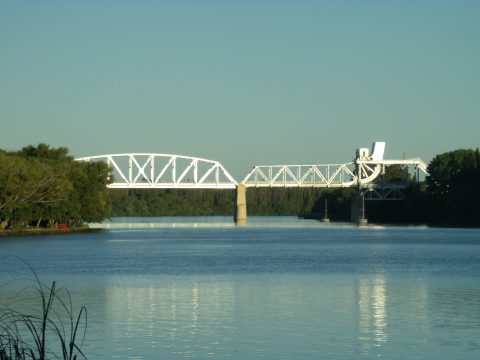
(240,210)
(357,213)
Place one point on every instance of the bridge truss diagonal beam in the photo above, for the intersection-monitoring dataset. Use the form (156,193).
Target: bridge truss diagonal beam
(164,171)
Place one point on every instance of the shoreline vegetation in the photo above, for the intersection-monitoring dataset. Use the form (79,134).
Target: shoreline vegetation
(43,190)
(40,322)
(47,231)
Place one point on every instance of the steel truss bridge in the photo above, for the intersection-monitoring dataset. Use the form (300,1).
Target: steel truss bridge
(166,171)
(336,176)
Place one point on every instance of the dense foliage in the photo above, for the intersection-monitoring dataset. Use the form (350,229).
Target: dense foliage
(260,201)
(449,197)
(454,188)
(167,202)
(41,186)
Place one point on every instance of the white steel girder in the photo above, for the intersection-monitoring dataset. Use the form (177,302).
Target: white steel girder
(164,171)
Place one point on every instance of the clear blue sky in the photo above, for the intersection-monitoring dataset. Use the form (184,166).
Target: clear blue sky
(242,82)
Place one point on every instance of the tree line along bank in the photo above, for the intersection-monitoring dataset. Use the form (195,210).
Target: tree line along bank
(43,187)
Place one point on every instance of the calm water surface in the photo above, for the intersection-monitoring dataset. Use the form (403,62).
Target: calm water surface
(277,288)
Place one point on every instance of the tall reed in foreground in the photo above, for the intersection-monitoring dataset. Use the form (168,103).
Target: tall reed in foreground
(49,332)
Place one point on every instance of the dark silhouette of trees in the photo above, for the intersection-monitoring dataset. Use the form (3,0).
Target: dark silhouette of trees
(260,201)
(453,187)
(450,195)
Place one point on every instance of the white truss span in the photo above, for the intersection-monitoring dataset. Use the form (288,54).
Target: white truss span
(360,172)
(323,175)
(164,171)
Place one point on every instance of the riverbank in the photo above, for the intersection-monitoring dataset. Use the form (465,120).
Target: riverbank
(47,231)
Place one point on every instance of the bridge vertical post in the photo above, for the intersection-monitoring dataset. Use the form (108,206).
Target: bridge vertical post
(362,220)
(240,210)
(358,206)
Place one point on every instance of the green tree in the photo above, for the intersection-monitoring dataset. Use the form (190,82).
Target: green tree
(43,185)
(29,189)
(453,187)
(90,199)
(44,151)
(396,173)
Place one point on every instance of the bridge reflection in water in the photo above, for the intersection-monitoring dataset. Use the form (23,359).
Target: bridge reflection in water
(205,317)
(372,309)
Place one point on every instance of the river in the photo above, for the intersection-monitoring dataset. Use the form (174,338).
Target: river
(276,288)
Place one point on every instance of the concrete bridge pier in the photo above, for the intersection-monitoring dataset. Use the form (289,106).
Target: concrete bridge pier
(240,210)
(357,213)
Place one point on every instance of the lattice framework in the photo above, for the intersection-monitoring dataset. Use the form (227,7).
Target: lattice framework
(164,171)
